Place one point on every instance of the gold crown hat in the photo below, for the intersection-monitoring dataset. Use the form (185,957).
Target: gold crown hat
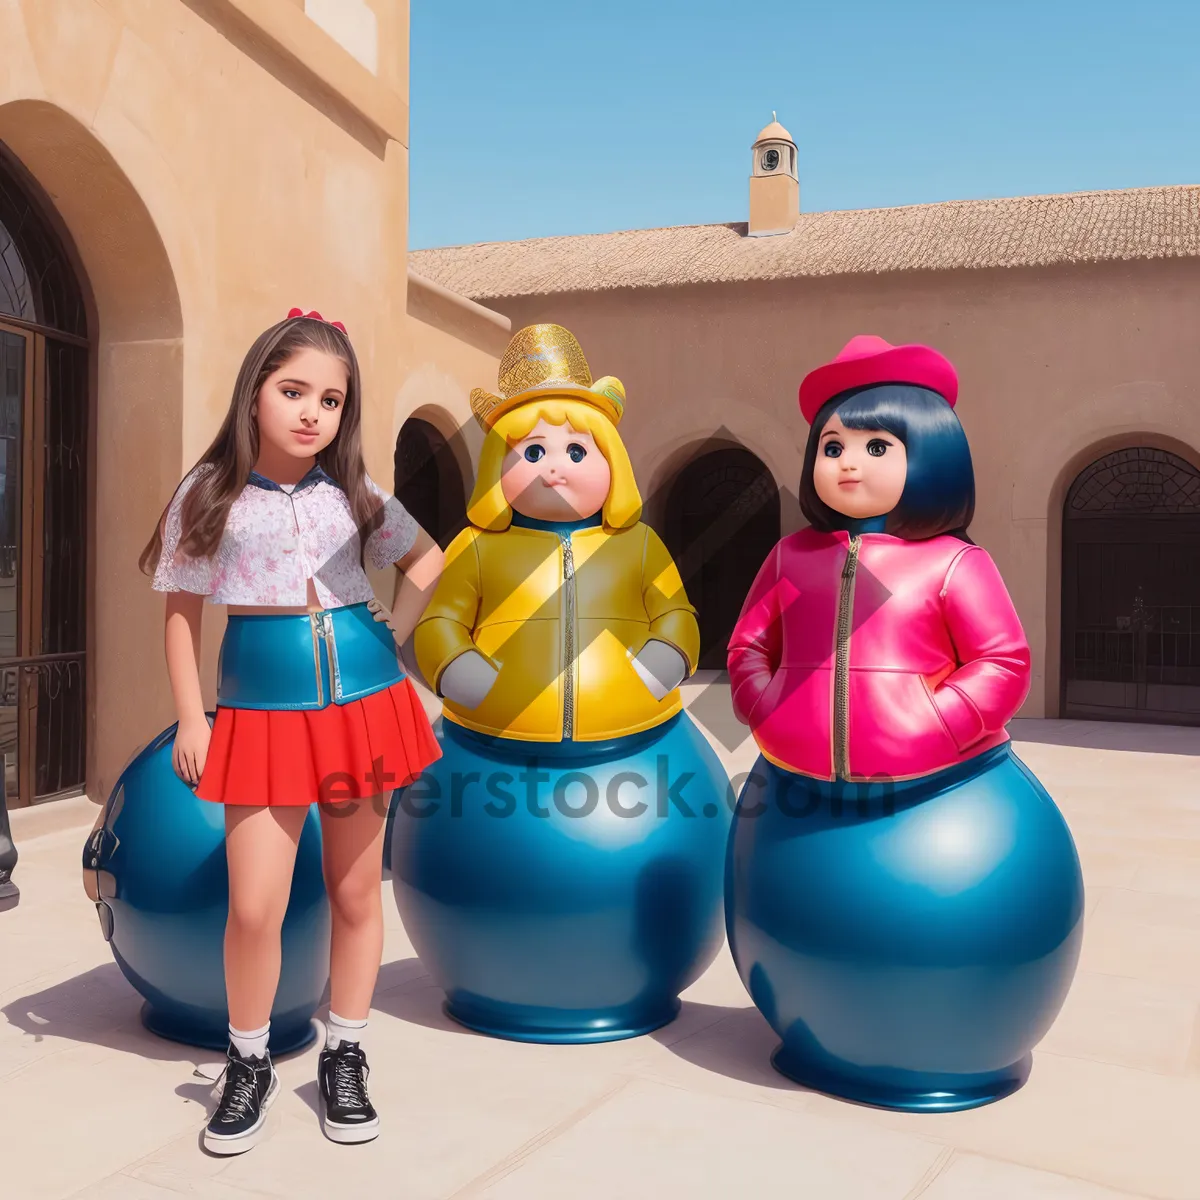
(546,360)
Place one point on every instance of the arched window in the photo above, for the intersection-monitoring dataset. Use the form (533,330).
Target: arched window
(1131,589)
(43,500)
(428,480)
(722,519)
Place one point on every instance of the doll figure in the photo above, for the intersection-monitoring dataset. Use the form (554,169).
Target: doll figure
(559,869)
(906,905)
(277,521)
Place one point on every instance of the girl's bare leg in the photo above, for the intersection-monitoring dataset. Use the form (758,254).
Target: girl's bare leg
(260,844)
(352,840)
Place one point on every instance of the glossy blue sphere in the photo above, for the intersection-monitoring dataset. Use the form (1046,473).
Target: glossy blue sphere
(546,904)
(909,944)
(164,887)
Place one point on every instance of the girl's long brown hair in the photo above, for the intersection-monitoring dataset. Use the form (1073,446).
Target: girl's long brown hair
(234,450)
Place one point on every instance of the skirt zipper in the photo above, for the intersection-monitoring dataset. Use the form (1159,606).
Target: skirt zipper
(335,674)
(314,619)
(569,640)
(841,674)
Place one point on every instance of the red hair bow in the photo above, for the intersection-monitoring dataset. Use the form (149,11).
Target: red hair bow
(315,316)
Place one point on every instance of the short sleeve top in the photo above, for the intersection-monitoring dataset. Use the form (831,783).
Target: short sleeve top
(277,537)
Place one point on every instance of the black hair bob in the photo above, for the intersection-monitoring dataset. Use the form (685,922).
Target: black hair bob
(939,492)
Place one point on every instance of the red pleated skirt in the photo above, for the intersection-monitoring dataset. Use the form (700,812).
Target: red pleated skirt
(319,756)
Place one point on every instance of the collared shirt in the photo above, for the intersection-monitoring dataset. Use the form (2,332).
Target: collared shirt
(276,538)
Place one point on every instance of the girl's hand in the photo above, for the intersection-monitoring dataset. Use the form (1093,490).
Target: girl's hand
(191,750)
(382,614)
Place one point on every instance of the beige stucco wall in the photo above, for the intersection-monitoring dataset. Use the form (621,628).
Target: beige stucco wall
(1056,365)
(451,346)
(214,162)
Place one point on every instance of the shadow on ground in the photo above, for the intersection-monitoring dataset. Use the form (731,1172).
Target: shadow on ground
(100,1008)
(1108,735)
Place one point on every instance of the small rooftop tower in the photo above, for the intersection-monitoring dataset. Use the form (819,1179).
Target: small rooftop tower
(774,183)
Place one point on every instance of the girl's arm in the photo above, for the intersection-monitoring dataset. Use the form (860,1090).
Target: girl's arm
(182,638)
(417,577)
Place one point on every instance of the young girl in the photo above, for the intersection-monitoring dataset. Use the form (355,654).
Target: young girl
(906,906)
(276,521)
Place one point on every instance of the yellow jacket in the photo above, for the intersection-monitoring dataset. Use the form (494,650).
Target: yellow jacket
(532,602)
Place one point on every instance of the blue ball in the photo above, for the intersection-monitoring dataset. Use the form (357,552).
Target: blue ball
(164,887)
(543,900)
(912,944)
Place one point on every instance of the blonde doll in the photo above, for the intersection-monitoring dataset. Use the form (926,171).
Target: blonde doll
(563,893)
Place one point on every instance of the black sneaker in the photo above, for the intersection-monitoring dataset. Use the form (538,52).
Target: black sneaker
(347,1115)
(250,1087)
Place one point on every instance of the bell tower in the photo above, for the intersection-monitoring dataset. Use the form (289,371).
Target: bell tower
(774,183)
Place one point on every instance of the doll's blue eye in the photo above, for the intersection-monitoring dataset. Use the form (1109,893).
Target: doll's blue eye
(577,452)
(533,453)
(833,450)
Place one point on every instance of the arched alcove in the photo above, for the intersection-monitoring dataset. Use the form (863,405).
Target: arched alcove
(429,481)
(721,520)
(131,374)
(44,495)
(1131,589)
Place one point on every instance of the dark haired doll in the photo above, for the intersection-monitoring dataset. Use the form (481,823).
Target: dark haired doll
(912,950)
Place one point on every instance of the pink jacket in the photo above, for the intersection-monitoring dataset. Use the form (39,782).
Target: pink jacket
(874,657)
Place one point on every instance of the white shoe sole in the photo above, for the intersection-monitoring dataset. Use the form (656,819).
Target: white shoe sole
(349,1135)
(216,1143)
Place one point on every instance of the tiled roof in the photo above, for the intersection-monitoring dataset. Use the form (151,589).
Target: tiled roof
(1025,231)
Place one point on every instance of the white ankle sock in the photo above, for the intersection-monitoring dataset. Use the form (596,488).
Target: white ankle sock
(252,1044)
(339,1030)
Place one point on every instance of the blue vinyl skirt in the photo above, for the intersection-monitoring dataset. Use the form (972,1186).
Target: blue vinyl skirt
(564,892)
(910,944)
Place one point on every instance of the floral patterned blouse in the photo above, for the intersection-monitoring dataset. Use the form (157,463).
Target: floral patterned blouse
(277,538)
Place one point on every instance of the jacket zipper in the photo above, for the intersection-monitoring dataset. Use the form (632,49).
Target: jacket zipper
(841,674)
(569,639)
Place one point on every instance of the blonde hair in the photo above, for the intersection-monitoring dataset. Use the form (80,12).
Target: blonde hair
(488,508)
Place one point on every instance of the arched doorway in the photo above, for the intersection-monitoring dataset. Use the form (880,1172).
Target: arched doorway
(44,372)
(1131,589)
(722,518)
(428,480)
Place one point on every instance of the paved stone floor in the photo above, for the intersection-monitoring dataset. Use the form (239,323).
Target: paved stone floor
(93,1106)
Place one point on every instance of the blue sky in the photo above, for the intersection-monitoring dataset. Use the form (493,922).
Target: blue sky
(532,120)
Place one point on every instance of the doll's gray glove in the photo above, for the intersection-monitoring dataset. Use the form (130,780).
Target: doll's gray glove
(661,667)
(468,679)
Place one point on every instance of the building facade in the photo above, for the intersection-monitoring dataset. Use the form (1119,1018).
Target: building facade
(1071,320)
(174,177)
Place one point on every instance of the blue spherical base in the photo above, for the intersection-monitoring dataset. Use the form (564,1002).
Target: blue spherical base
(910,943)
(163,881)
(927,1096)
(553,1027)
(564,893)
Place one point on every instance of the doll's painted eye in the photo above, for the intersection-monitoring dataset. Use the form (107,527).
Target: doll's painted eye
(333,402)
(291,393)
(877,447)
(833,449)
(534,453)
(577,452)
